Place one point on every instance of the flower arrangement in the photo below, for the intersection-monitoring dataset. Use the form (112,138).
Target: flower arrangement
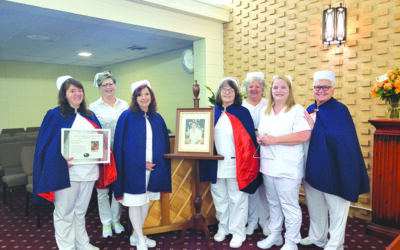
(387,88)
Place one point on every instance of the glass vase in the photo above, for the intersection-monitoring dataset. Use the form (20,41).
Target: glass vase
(394,110)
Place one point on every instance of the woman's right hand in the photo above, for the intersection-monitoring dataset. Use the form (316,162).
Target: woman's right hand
(68,161)
(149,165)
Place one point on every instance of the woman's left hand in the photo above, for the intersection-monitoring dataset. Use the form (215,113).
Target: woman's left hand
(266,139)
(149,165)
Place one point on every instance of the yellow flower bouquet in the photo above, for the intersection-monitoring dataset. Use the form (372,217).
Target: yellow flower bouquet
(387,88)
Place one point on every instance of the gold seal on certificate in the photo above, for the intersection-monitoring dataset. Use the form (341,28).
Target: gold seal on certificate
(86,146)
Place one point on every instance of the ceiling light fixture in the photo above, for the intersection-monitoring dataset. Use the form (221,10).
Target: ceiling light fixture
(84,54)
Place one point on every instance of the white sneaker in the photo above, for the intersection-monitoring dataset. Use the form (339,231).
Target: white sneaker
(306,241)
(107,232)
(250,230)
(219,236)
(149,242)
(289,247)
(272,240)
(266,231)
(117,227)
(91,247)
(235,242)
(142,246)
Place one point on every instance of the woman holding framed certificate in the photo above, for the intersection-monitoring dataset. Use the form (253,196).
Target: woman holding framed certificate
(107,109)
(55,179)
(140,141)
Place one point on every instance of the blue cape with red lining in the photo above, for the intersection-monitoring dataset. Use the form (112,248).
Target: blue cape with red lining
(335,164)
(50,169)
(247,167)
(130,154)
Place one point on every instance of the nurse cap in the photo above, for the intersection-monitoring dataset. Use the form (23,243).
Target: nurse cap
(135,85)
(254,74)
(229,78)
(287,76)
(61,80)
(324,75)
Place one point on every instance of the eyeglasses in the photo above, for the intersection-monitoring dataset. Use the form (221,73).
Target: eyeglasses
(107,85)
(324,88)
(230,90)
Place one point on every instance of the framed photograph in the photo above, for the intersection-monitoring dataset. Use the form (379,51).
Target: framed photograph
(194,131)
(86,146)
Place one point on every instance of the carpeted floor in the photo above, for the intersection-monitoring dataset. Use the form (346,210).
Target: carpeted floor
(20,232)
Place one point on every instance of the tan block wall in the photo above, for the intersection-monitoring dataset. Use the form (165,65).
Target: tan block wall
(284,37)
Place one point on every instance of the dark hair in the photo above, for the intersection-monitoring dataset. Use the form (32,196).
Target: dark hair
(63,102)
(135,108)
(232,84)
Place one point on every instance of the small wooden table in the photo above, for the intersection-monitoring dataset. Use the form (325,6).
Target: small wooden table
(197,221)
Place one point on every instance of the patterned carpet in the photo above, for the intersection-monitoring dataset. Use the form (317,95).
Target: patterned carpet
(20,232)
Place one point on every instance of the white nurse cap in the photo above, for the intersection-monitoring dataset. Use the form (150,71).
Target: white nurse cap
(139,83)
(61,80)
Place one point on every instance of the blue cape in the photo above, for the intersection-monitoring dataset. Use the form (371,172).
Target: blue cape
(130,155)
(50,169)
(247,167)
(335,164)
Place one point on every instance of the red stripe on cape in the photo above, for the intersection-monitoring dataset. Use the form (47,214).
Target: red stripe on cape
(247,166)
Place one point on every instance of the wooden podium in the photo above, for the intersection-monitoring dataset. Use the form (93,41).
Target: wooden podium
(386,180)
(197,221)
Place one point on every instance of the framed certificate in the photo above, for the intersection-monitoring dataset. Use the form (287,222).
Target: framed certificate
(86,146)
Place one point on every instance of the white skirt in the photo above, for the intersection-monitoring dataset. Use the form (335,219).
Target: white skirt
(136,200)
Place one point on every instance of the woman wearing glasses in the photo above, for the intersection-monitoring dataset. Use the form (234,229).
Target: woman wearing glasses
(108,109)
(236,175)
(282,131)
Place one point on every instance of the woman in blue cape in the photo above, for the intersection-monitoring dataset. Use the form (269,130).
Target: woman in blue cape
(140,140)
(234,177)
(335,169)
(55,180)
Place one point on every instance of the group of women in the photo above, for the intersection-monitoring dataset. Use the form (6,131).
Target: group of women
(137,170)
(280,127)
(257,182)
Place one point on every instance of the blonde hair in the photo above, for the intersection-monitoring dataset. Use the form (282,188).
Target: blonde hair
(290,102)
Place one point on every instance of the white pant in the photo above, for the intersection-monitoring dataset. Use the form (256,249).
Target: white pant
(231,206)
(283,198)
(258,209)
(319,205)
(70,206)
(108,214)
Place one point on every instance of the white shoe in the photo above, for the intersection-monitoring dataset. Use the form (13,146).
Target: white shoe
(141,246)
(306,242)
(91,247)
(107,232)
(250,230)
(272,240)
(235,242)
(117,227)
(149,242)
(266,231)
(220,236)
(289,247)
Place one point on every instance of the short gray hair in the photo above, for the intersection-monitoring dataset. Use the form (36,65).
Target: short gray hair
(100,77)
(249,80)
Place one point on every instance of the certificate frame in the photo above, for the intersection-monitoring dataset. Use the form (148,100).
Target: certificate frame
(86,146)
(200,118)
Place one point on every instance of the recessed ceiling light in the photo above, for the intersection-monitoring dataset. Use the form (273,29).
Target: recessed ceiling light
(37,37)
(84,54)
